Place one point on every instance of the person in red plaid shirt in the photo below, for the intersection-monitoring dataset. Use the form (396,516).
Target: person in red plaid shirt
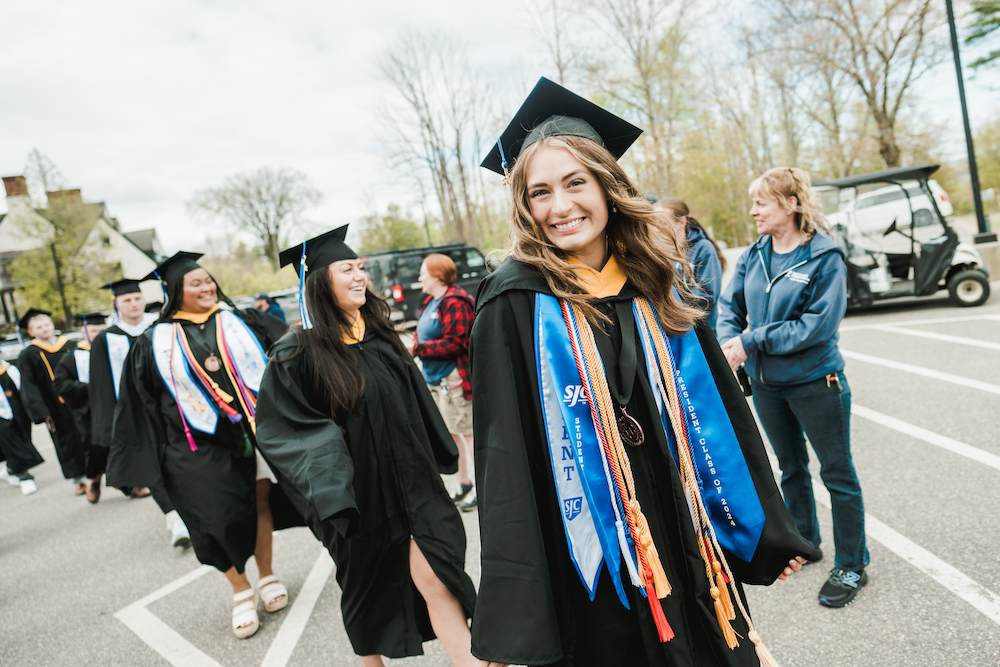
(441,343)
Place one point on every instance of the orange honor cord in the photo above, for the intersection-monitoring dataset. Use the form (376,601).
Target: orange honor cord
(588,362)
(247,400)
(52,376)
(222,398)
(720,576)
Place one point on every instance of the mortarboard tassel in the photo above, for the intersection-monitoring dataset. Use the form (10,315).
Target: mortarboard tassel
(163,286)
(503,162)
(303,308)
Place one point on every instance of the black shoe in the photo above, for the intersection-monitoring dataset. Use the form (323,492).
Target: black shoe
(462,493)
(470,504)
(840,589)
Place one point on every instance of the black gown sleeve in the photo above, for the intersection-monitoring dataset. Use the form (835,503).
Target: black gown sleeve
(515,611)
(102,392)
(133,460)
(30,365)
(68,383)
(442,444)
(305,446)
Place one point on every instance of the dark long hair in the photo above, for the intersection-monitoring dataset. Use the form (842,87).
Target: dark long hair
(336,375)
(679,209)
(175,297)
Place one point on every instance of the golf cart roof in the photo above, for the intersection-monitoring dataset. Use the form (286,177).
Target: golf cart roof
(884,176)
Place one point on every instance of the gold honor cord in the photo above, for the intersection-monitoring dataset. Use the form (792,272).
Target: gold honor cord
(227,364)
(52,376)
(655,578)
(708,543)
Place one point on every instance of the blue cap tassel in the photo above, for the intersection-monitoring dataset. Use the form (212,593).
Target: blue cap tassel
(503,161)
(163,286)
(303,308)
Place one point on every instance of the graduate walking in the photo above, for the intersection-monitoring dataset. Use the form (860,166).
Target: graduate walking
(40,398)
(109,350)
(624,492)
(185,418)
(350,427)
(18,453)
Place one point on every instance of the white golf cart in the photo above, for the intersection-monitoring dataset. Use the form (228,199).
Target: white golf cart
(912,252)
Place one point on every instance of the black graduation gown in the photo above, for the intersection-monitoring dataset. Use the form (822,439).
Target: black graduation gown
(213,488)
(15,434)
(368,487)
(41,399)
(533,608)
(102,387)
(76,395)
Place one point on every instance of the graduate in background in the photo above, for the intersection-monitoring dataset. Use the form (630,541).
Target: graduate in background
(185,418)
(107,361)
(17,452)
(37,363)
(348,423)
(73,385)
(624,491)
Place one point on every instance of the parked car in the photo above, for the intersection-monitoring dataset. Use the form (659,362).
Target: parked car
(394,275)
(900,244)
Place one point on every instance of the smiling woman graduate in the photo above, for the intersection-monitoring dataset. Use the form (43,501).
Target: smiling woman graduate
(347,421)
(624,491)
(185,418)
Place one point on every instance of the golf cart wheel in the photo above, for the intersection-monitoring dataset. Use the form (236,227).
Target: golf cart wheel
(969,288)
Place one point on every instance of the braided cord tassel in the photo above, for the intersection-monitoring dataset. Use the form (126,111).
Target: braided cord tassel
(599,398)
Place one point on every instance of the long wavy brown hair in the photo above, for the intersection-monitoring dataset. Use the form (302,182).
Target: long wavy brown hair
(640,239)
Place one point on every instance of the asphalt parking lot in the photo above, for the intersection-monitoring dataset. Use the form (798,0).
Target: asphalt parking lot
(99,585)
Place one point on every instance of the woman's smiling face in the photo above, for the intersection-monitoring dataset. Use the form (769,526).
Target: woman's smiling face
(567,201)
(350,283)
(199,292)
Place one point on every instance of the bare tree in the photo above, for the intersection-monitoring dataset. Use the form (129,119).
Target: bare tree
(553,25)
(649,77)
(42,176)
(266,203)
(882,46)
(434,122)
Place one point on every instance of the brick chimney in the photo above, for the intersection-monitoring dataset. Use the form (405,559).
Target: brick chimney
(64,197)
(16,186)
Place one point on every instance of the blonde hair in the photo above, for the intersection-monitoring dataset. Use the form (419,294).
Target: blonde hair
(782,183)
(640,239)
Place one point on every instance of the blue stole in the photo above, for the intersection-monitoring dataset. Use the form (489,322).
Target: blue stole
(723,475)
(592,514)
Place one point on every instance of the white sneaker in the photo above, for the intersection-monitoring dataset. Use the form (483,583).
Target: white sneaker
(28,486)
(13,480)
(180,536)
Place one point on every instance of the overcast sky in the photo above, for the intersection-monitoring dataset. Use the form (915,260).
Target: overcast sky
(141,104)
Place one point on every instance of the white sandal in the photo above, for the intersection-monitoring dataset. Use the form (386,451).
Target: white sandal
(270,590)
(245,621)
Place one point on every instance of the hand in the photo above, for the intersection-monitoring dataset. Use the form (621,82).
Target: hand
(455,385)
(51,423)
(735,354)
(794,566)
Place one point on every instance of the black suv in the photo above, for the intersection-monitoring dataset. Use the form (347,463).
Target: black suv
(394,275)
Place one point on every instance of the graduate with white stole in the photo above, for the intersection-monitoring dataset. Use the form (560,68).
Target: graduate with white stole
(42,402)
(185,418)
(107,361)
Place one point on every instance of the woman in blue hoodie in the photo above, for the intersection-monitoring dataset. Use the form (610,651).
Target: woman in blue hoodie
(779,317)
(706,259)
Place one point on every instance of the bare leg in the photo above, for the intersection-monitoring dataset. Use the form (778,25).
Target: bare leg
(447,616)
(239,583)
(464,460)
(371,661)
(265,528)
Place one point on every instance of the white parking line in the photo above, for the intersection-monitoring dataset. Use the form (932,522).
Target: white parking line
(920,370)
(958,340)
(179,652)
(913,323)
(929,437)
(983,599)
(298,616)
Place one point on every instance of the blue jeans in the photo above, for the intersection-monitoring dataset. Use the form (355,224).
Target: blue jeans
(821,411)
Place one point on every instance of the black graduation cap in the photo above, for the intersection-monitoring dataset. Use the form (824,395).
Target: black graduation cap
(32,313)
(90,318)
(319,251)
(316,253)
(174,268)
(123,286)
(551,110)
